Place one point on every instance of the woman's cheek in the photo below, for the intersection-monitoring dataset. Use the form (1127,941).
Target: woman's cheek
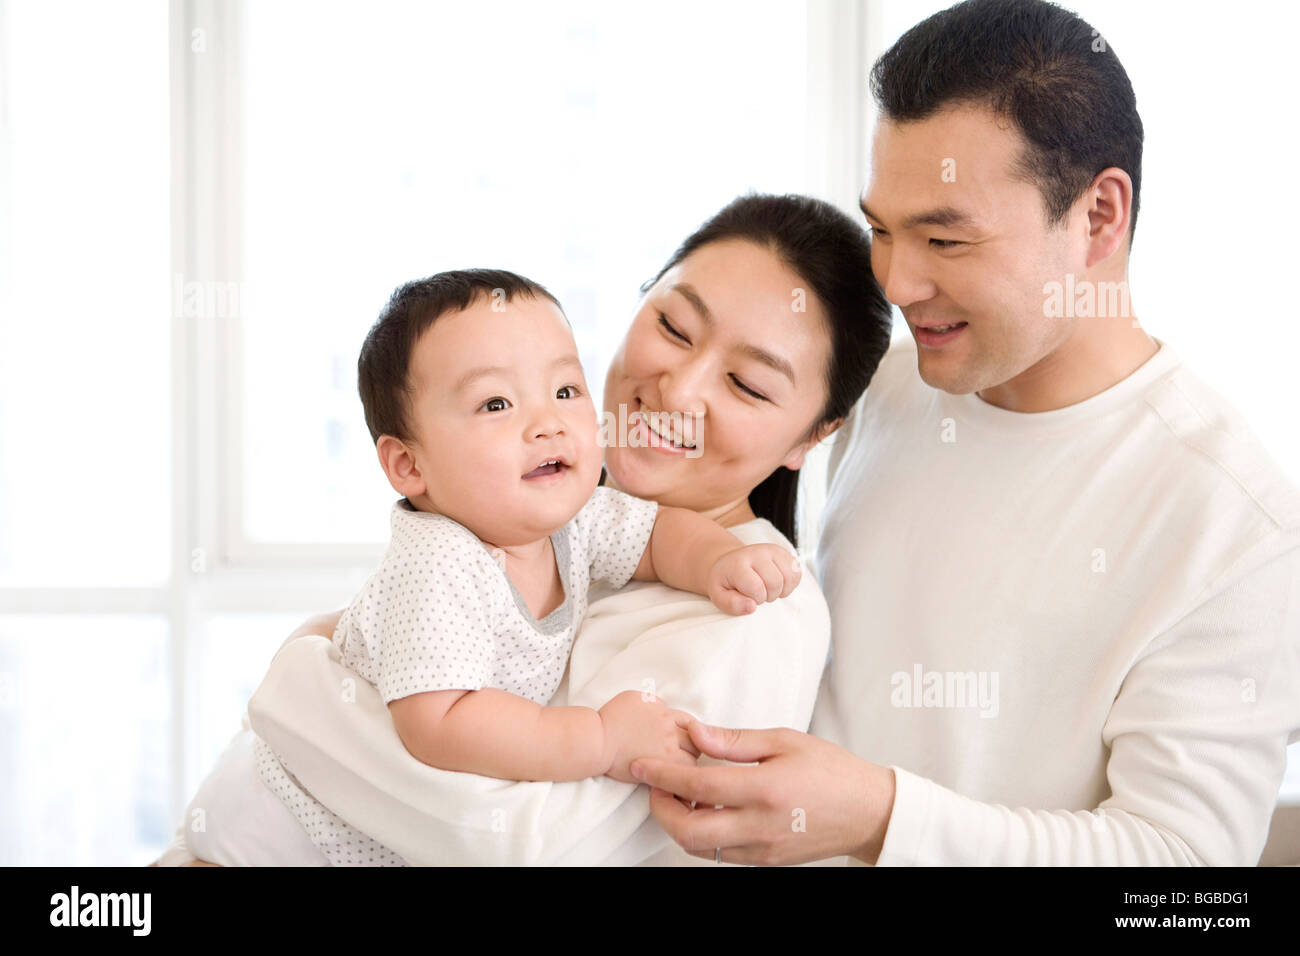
(643,354)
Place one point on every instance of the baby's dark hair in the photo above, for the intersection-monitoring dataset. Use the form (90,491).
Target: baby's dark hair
(383,368)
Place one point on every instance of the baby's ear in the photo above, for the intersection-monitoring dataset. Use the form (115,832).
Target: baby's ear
(794,460)
(400,466)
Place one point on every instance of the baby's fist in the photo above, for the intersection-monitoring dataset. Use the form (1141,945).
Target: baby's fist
(743,579)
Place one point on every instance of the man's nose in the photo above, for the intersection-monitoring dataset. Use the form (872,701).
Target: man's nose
(902,275)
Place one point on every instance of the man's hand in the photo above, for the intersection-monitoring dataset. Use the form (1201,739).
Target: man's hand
(806,800)
(642,725)
(744,578)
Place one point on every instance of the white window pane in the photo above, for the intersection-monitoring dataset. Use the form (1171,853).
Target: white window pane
(84,308)
(576,143)
(230,659)
(84,718)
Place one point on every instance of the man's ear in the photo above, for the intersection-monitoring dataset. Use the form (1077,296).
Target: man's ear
(794,460)
(1110,206)
(400,466)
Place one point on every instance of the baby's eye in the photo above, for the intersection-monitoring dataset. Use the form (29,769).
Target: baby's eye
(572,391)
(497,404)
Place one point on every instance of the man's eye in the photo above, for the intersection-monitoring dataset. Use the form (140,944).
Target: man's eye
(571,389)
(497,404)
(946,243)
(745,388)
(878,233)
(663,320)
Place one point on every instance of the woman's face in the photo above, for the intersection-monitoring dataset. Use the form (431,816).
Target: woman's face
(728,353)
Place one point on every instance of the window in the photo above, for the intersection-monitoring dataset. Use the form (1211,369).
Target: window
(199,225)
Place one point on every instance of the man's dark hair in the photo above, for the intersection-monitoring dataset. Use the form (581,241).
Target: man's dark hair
(383,368)
(1035,63)
(831,254)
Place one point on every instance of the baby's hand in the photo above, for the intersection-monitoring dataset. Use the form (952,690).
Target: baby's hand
(642,725)
(743,579)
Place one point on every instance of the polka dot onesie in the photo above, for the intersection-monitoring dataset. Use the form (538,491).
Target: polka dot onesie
(440,613)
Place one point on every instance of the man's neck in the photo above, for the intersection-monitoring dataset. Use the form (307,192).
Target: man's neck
(1099,354)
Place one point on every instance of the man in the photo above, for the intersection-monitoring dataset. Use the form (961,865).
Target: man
(1064,578)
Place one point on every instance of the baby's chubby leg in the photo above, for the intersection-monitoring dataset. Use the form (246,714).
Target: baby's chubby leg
(235,820)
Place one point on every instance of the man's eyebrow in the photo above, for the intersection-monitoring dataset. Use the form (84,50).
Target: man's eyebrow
(947,216)
(476,373)
(690,295)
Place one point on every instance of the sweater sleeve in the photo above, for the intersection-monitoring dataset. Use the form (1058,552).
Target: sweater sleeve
(345,751)
(1197,738)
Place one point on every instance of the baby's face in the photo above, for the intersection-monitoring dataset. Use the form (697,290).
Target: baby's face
(497,395)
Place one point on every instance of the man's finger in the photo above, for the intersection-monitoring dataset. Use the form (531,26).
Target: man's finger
(684,741)
(707,786)
(700,832)
(739,746)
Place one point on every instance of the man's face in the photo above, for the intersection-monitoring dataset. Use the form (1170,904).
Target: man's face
(957,241)
(497,393)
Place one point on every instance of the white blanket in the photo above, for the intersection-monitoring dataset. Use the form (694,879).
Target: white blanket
(760,670)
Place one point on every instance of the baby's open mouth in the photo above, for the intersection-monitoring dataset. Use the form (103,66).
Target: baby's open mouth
(552,466)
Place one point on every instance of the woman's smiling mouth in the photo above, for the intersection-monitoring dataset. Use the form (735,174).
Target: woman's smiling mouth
(656,430)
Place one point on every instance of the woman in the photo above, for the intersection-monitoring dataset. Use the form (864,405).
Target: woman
(760,332)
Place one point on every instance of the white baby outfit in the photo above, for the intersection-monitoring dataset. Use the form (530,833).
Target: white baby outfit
(440,613)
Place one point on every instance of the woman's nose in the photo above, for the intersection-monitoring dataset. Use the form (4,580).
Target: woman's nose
(681,388)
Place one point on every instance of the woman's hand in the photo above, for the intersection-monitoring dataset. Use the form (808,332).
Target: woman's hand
(806,800)
(639,724)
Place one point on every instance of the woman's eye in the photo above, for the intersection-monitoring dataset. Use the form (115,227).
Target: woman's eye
(745,388)
(663,320)
(497,404)
(572,391)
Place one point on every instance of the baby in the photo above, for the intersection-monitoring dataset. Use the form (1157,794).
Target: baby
(482,420)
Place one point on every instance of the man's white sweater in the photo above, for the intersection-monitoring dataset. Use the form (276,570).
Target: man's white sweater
(1074,634)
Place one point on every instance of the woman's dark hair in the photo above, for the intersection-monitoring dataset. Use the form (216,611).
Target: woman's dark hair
(832,254)
(1042,67)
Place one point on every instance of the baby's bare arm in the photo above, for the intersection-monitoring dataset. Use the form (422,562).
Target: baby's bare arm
(684,546)
(692,553)
(499,734)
